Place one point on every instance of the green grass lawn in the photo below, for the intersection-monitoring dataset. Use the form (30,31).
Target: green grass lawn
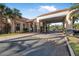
(74,42)
(9,34)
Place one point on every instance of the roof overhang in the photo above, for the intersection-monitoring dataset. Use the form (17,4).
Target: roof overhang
(57,16)
(54,20)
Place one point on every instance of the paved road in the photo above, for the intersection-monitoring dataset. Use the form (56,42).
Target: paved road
(52,44)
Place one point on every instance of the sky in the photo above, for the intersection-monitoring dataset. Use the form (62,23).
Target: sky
(32,10)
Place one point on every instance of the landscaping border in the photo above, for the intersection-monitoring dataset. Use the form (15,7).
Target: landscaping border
(71,52)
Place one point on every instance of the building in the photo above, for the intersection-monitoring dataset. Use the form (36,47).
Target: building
(16,25)
(40,23)
(63,16)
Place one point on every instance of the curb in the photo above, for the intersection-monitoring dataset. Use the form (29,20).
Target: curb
(71,52)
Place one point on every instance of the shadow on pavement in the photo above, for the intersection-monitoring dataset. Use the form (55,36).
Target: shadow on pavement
(39,47)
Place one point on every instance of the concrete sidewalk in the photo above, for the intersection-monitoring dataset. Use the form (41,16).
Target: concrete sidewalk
(16,36)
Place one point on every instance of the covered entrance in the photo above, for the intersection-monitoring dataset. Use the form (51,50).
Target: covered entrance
(64,16)
(46,23)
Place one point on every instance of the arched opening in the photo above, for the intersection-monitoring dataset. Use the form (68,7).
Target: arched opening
(56,27)
(17,27)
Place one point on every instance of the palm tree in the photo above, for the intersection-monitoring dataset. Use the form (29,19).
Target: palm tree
(16,13)
(74,6)
(2,8)
(11,14)
(7,15)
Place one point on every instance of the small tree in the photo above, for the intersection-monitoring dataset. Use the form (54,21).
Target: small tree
(75,16)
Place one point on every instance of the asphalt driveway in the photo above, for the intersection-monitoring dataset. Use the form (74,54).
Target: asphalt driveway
(52,44)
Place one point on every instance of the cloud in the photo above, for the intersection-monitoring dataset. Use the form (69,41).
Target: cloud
(44,9)
(33,12)
(47,8)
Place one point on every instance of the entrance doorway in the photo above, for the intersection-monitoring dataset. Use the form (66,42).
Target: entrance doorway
(56,27)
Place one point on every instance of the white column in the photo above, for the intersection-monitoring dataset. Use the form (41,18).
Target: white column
(45,25)
(29,27)
(26,25)
(13,27)
(48,27)
(21,27)
(68,24)
(33,26)
(38,25)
